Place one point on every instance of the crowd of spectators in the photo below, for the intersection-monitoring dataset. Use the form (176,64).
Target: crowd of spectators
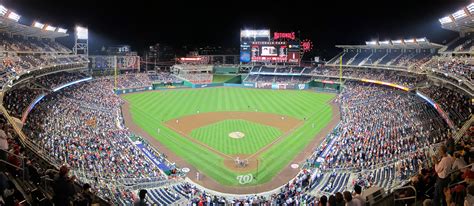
(133,80)
(258,78)
(81,126)
(138,80)
(13,66)
(380,125)
(163,77)
(21,44)
(391,76)
(457,66)
(18,99)
(406,60)
(48,54)
(293,193)
(457,105)
(197,78)
(448,176)
(58,79)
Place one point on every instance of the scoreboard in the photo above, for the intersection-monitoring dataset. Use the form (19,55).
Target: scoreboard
(104,62)
(269,51)
(258,46)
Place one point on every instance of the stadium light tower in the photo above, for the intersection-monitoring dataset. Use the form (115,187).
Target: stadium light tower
(81,37)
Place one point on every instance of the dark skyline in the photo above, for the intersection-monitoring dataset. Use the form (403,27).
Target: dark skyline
(327,23)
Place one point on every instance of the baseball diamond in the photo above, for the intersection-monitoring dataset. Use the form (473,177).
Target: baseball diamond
(202,105)
(282,125)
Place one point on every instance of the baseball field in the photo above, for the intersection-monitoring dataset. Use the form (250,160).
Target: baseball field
(235,136)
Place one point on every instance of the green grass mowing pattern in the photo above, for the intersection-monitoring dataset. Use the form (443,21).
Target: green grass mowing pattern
(149,109)
(218,78)
(217,136)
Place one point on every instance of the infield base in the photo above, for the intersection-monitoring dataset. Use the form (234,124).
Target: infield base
(236,135)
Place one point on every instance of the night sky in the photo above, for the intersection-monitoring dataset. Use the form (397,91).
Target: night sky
(140,23)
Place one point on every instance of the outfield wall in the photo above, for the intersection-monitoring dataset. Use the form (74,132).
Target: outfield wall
(207,85)
(323,86)
(275,86)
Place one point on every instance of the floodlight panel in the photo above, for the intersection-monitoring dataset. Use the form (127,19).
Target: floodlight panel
(470,8)
(385,42)
(399,41)
(459,14)
(61,30)
(445,20)
(409,40)
(38,25)
(13,16)
(422,40)
(3,10)
(50,28)
(255,33)
(82,33)
(371,42)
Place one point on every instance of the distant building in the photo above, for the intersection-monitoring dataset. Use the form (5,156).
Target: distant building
(158,56)
(120,50)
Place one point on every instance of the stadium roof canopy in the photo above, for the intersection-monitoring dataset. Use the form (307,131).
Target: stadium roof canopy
(460,21)
(415,43)
(9,24)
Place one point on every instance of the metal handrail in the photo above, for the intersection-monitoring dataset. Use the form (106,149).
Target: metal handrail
(22,161)
(405,198)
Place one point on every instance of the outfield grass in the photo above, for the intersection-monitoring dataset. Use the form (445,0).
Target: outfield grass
(218,78)
(150,109)
(217,136)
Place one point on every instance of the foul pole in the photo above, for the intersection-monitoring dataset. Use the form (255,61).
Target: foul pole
(340,72)
(115,72)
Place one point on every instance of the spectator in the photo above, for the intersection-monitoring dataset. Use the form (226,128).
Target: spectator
(428,202)
(63,187)
(323,200)
(9,193)
(85,197)
(339,199)
(3,146)
(332,200)
(442,169)
(459,162)
(142,199)
(349,201)
(358,194)
(469,200)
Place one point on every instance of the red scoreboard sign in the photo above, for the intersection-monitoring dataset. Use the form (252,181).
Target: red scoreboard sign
(282,35)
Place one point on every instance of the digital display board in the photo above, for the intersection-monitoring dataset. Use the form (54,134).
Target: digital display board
(107,62)
(269,51)
(245,52)
(259,46)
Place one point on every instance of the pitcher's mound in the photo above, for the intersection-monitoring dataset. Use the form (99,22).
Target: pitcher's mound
(236,135)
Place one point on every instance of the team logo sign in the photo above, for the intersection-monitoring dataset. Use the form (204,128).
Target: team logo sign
(245,179)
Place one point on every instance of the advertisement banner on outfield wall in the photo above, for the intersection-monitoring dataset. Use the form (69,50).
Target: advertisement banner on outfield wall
(249,85)
(207,85)
(232,85)
(132,90)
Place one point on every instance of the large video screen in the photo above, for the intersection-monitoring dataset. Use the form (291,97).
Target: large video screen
(107,62)
(245,52)
(269,51)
